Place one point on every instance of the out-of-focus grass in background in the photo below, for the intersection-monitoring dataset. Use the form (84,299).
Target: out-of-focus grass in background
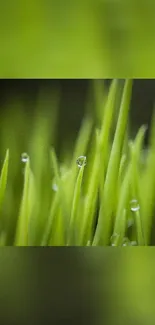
(85,38)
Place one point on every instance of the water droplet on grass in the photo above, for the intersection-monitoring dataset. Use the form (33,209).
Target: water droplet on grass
(114,238)
(134,205)
(126,242)
(55,187)
(24,157)
(81,161)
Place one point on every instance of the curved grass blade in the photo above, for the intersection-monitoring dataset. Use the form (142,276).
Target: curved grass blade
(32,210)
(107,124)
(81,146)
(82,139)
(21,238)
(135,184)
(117,237)
(50,224)
(55,206)
(97,175)
(103,231)
(3,177)
(91,198)
(74,226)
(61,193)
(100,99)
(130,180)
(130,183)
(136,150)
(121,174)
(148,187)
(120,221)
(58,237)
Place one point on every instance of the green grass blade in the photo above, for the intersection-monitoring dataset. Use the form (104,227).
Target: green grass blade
(52,215)
(98,168)
(89,208)
(120,229)
(73,227)
(121,173)
(55,207)
(122,205)
(32,210)
(82,140)
(58,237)
(135,184)
(61,192)
(148,187)
(136,153)
(81,147)
(130,184)
(21,238)
(3,178)
(103,231)
(100,99)
(106,130)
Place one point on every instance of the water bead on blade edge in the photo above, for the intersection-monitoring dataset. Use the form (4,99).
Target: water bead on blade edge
(126,241)
(134,205)
(81,161)
(54,187)
(114,238)
(24,157)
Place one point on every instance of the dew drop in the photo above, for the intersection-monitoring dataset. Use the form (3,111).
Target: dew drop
(114,238)
(134,205)
(24,157)
(55,187)
(81,161)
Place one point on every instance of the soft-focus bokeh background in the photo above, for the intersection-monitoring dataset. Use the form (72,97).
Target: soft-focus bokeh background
(77,39)
(77,286)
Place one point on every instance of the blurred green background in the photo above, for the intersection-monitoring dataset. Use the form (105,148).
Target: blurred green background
(77,39)
(77,286)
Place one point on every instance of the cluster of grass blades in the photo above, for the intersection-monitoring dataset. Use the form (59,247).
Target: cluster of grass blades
(103,197)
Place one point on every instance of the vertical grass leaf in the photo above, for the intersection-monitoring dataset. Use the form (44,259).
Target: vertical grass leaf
(21,238)
(104,226)
(3,178)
